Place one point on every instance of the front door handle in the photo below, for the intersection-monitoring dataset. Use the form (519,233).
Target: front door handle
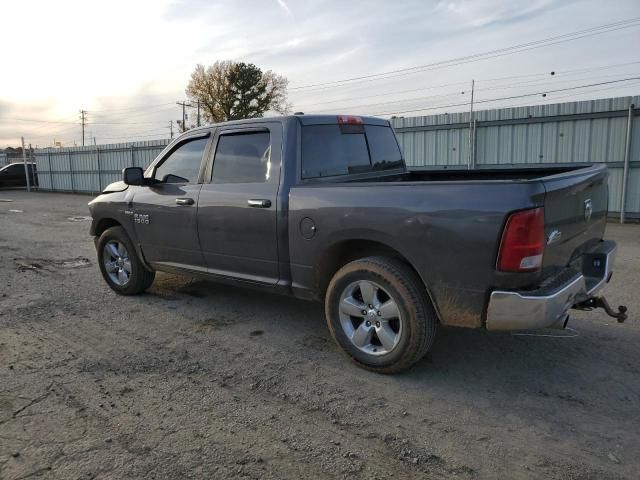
(259,203)
(184,201)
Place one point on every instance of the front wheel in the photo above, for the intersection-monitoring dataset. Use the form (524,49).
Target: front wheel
(379,313)
(119,263)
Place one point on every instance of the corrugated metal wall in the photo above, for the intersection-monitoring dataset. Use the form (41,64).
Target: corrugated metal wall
(592,131)
(3,159)
(89,169)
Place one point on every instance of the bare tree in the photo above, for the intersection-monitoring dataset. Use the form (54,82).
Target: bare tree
(277,89)
(229,90)
(210,87)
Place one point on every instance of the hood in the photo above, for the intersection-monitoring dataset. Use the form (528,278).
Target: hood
(118,186)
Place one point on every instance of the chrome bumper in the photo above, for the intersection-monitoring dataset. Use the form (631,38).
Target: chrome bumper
(548,306)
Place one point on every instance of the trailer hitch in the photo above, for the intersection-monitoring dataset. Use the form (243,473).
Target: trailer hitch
(601,302)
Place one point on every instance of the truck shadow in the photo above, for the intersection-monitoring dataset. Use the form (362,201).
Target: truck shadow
(492,367)
(598,369)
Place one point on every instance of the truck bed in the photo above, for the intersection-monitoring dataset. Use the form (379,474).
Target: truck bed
(449,223)
(458,175)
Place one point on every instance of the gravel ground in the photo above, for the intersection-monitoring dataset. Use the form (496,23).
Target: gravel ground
(198,380)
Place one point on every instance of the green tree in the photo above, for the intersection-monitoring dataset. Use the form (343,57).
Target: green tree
(229,90)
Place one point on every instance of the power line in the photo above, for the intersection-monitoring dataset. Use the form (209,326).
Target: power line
(480,81)
(564,72)
(435,107)
(543,93)
(572,95)
(434,87)
(416,99)
(405,100)
(553,81)
(484,55)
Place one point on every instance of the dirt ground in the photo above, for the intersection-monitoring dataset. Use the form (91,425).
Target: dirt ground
(198,380)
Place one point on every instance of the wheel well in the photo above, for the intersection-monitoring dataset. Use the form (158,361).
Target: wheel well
(349,250)
(104,224)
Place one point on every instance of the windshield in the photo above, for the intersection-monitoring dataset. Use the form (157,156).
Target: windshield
(329,150)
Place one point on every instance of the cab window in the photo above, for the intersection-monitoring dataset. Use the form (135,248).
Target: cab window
(243,158)
(183,163)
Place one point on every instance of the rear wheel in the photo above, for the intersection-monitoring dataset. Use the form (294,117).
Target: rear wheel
(119,263)
(378,312)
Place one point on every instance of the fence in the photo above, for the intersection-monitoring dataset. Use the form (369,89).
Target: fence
(89,169)
(596,131)
(3,159)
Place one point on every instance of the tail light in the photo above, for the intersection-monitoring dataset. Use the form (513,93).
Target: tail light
(522,242)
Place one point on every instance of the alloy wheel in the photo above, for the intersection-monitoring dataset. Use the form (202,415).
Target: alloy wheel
(116,262)
(370,317)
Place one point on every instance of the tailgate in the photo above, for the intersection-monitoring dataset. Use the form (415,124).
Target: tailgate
(575,211)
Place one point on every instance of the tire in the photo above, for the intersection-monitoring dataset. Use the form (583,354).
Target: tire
(116,255)
(347,313)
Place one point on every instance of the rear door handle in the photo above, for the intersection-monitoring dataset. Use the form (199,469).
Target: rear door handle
(184,201)
(259,203)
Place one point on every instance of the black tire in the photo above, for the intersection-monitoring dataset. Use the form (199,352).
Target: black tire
(140,278)
(419,319)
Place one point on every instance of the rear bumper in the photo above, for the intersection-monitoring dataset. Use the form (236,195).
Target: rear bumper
(549,305)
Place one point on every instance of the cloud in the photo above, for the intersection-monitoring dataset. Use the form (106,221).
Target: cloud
(285,7)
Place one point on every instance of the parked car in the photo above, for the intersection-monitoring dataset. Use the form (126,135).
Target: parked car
(13,175)
(323,208)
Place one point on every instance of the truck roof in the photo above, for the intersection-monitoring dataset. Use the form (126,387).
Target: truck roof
(302,118)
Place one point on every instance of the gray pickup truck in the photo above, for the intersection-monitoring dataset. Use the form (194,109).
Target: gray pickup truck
(323,208)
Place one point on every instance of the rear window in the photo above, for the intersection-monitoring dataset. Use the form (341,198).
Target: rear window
(383,146)
(329,150)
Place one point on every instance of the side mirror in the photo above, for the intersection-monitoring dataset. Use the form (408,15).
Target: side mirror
(133,176)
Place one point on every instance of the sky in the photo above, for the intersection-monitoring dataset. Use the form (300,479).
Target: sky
(126,62)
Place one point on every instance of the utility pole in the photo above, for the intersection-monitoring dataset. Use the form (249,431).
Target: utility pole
(470,156)
(26,169)
(83,119)
(171,128)
(625,171)
(32,160)
(198,112)
(184,115)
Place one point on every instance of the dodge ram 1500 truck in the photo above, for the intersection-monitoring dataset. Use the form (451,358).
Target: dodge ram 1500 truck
(323,208)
